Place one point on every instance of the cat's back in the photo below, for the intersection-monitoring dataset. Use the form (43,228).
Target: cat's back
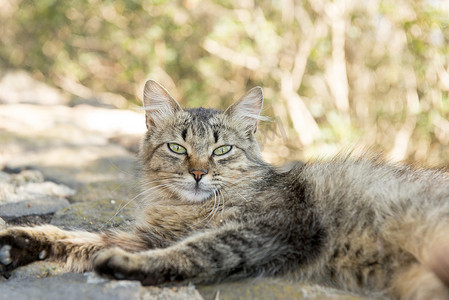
(358,186)
(373,214)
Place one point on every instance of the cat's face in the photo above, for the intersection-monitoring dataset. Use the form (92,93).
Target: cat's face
(196,154)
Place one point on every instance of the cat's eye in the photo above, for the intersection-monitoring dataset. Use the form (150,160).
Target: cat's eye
(222,150)
(178,149)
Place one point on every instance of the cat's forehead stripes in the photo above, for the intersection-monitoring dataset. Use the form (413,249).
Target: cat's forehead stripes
(184,134)
(201,125)
(201,114)
(215,136)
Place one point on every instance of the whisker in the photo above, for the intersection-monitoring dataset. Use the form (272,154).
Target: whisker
(218,204)
(234,190)
(144,184)
(211,212)
(242,196)
(161,187)
(223,200)
(115,166)
(214,209)
(121,208)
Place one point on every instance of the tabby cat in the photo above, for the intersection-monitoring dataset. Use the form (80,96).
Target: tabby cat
(212,210)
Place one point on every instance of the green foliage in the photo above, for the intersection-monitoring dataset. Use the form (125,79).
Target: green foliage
(372,72)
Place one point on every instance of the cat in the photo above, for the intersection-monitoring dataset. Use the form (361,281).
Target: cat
(212,210)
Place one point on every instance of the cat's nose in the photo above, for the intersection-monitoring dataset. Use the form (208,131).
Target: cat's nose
(198,174)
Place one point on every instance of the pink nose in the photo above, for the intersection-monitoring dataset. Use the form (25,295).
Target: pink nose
(198,174)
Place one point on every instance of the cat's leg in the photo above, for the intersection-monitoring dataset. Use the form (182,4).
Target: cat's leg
(231,251)
(22,245)
(426,239)
(158,228)
(418,282)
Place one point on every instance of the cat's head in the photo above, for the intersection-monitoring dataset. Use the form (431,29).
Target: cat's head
(194,154)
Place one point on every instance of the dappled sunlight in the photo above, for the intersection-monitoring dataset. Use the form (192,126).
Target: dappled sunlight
(337,73)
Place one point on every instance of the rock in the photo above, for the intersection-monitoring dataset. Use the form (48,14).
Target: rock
(2,224)
(26,198)
(23,176)
(40,269)
(94,215)
(72,286)
(28,185)
(173,293)
(268,288)
(68,286)
(29,208)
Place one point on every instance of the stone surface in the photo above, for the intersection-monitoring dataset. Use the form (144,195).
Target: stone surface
(268,288)
(74,286)
(28,185)
(68,286)
(32,207)
(94,215)
(171,293)
(26,197)
(40,269)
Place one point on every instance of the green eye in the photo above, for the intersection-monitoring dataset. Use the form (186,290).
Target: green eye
(178,149)
(222,150)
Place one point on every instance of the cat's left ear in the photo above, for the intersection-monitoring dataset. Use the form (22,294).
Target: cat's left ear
(246,111)
(159,105)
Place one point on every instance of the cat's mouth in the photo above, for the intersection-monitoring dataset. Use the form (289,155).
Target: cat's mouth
(197,193)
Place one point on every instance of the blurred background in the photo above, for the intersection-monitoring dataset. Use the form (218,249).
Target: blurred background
(337,75)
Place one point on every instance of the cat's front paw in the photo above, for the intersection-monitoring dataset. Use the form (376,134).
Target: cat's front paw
(116,263)
(18,247)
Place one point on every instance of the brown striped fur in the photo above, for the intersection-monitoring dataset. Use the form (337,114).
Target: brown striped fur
(352,223)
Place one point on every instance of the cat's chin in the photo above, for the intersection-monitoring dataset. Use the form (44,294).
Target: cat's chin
(196,195)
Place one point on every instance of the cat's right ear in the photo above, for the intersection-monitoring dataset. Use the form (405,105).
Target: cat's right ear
(159,105)
(246,111)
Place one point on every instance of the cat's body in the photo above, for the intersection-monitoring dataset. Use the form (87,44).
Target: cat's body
(212,210)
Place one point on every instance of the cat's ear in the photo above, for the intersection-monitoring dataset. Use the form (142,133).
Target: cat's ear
(246,111)
(159,105)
